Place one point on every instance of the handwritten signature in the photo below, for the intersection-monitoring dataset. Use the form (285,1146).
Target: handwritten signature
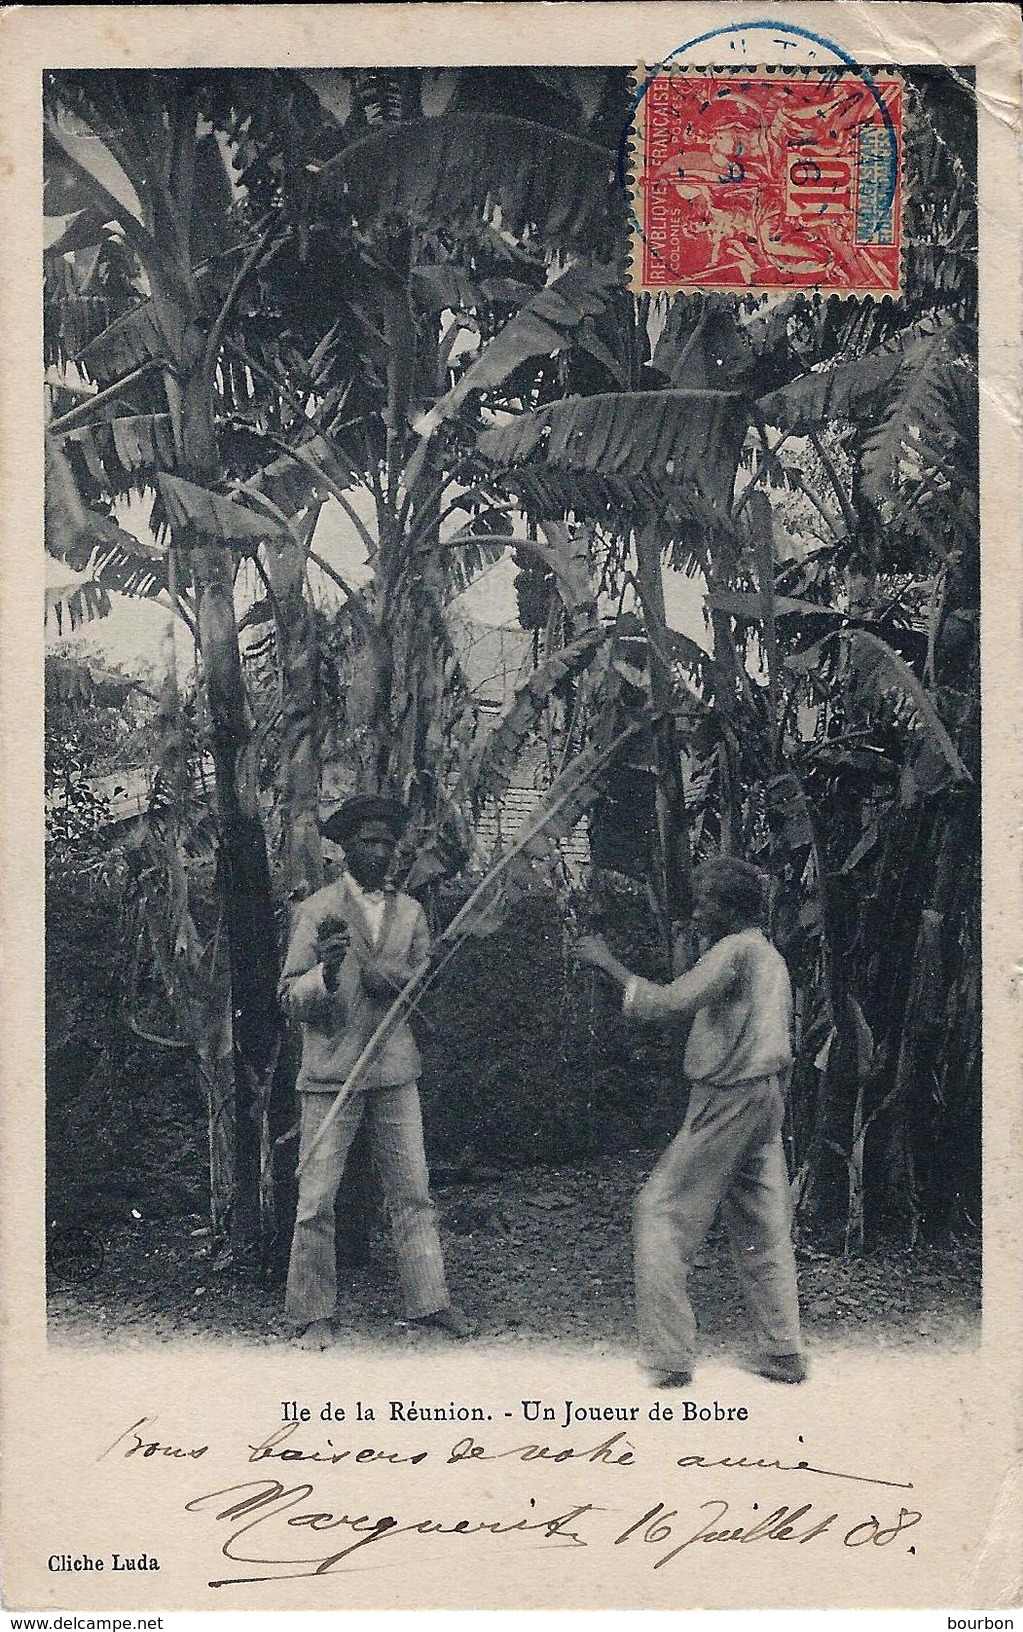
(261,1505)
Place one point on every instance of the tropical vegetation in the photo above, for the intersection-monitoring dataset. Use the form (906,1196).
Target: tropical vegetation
(399,295)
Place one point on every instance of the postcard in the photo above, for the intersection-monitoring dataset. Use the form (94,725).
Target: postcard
(511,864)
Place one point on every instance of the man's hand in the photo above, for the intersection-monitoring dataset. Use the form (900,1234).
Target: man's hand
(593,950)
(332,943)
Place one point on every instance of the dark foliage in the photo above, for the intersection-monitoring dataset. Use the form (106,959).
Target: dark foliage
(526,1061)
(125,1126)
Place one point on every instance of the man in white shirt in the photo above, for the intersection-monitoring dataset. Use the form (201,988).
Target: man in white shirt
(729,1152)
(354,946)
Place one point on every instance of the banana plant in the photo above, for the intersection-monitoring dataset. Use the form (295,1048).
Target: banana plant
(368,421)
(136,176)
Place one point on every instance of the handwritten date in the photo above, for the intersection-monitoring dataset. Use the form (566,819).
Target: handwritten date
(783,1524)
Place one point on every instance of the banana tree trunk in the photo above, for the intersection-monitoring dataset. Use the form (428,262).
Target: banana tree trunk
(198,988)
(761,523)
(199,995)
(245,882)
(299,775)
(672,855)
(417,702)
(216,1068)
(299,791)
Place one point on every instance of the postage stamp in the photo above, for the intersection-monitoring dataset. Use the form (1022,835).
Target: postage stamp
(768,179)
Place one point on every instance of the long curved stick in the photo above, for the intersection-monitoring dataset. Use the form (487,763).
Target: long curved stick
(424,977)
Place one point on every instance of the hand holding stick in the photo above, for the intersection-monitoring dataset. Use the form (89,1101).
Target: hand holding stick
(332,942)
(593,951)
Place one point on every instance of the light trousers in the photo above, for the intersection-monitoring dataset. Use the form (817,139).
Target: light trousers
(396,1140)
(729,1154)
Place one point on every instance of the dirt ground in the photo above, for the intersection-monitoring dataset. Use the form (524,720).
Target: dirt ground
(534,1255)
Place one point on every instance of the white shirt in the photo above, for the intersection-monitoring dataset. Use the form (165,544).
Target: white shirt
(739,999)
(372,904)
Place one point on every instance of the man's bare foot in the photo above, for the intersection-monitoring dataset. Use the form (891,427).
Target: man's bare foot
(318,1335)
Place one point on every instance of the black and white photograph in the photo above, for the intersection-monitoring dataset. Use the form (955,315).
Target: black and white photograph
(517,973)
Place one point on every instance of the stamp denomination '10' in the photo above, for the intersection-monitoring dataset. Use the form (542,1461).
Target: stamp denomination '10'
(768,180)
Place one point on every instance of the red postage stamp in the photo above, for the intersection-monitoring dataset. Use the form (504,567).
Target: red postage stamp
(768,180)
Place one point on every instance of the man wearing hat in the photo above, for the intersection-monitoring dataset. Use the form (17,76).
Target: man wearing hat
(355,944)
